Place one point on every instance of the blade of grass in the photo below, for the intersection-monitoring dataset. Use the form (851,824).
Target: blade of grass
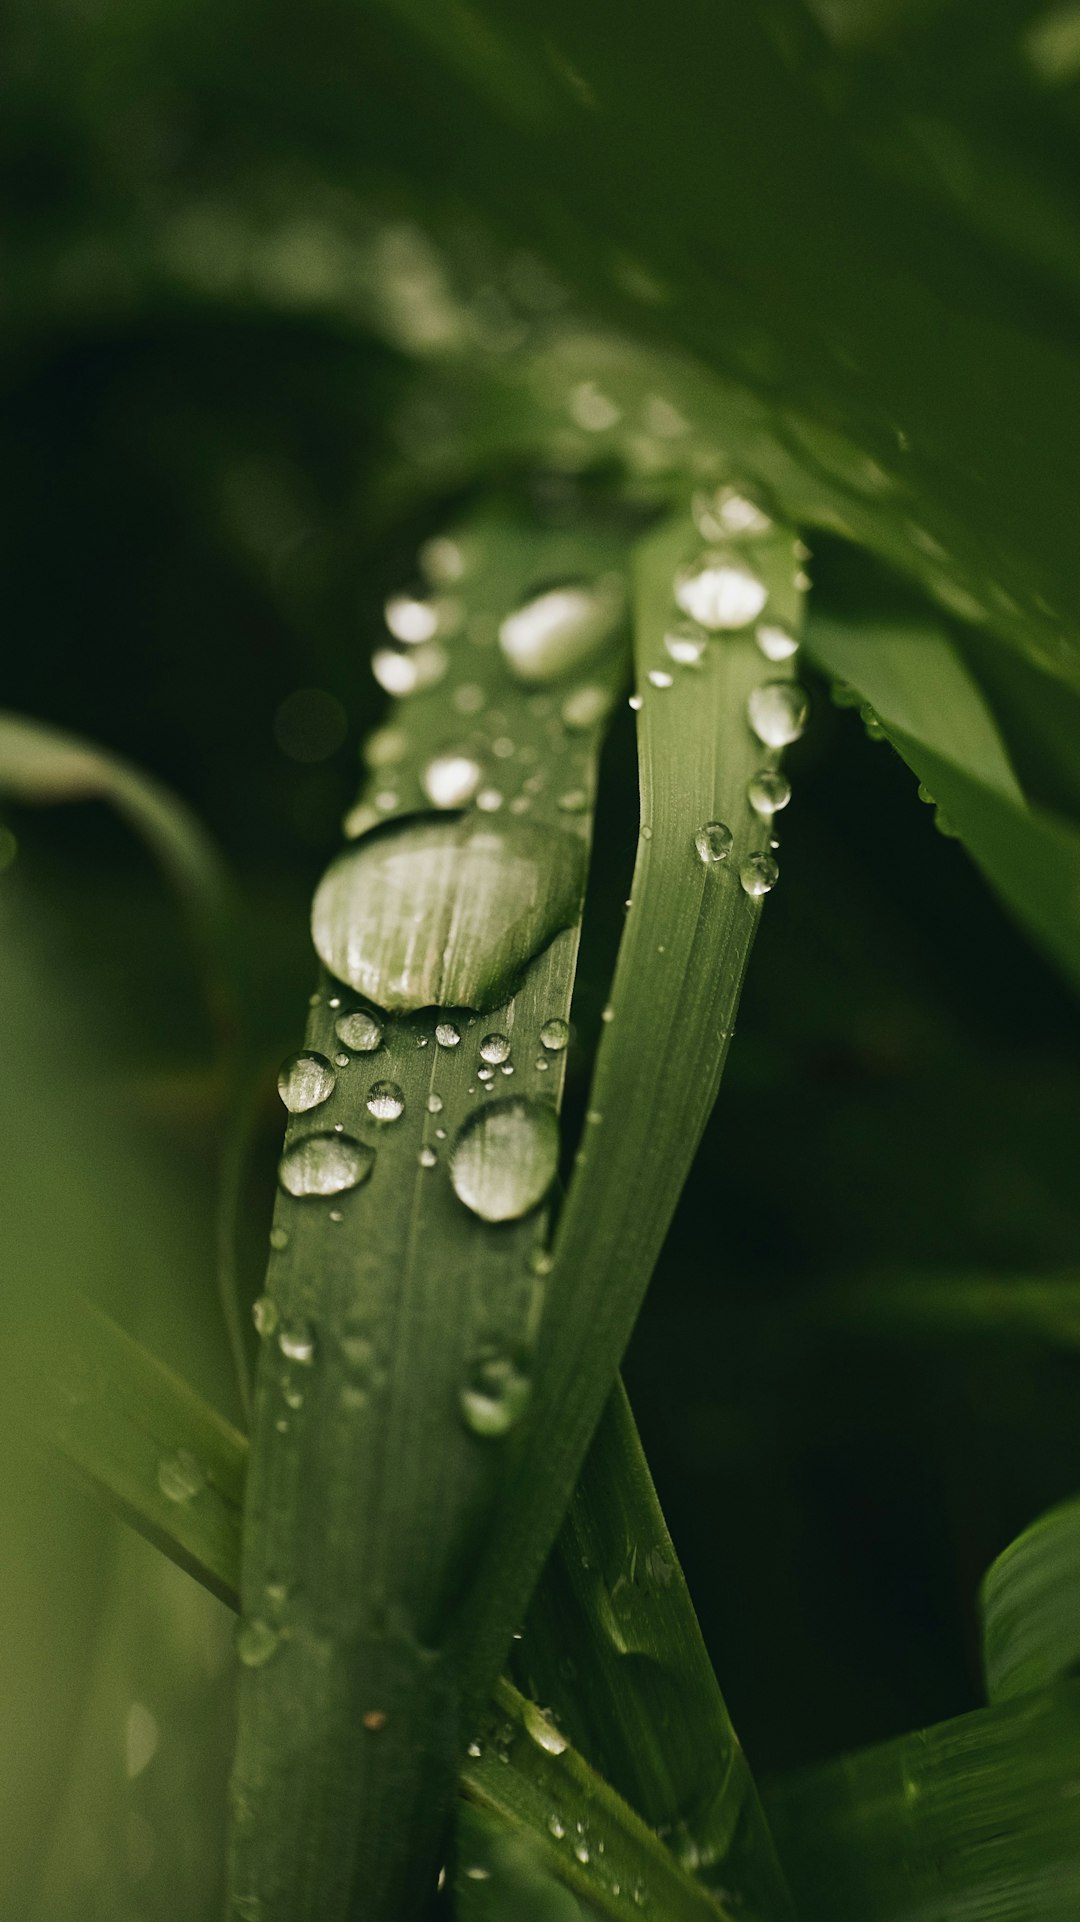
(613,1644)
(1029,1602)
(675,991)
(400,1327)
(1030,857)
(116,1416)
(993,1307)
(973,1820)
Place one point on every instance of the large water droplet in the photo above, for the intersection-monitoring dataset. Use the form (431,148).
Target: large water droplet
(543,1730)
(359,1030)
(504,1158)
(180,1476)
(778,712)
(713,842)
(411,620)
(768,792)
(557,631)
(448,1035)
(445,910)
(759,873)
(719,591)
(495,1048)
(495,1394)
(385,1101)
(305,1081)
(449,780)
(325,1164)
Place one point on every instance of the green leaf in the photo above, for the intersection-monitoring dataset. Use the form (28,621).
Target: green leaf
(973,1820)
(1030,1607)
(108,1413)
(404,1289)
(1030,857)
(995,1307)
(498,1872)
(675,991)
(612,1642)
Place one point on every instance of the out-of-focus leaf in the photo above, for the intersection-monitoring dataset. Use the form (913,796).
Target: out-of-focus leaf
(1030,857)
(973,1820)
(1030,1606)
(967,1306)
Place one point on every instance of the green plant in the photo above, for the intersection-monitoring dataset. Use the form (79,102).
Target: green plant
(611,392)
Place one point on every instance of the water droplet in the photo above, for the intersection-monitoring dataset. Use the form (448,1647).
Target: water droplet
(279,1237)
(591,408)
(489,800)
(542,1730)
(451,779)
(469,698)
(503,747)
(685,643)
(401,674)
(296,1340)
(556,1827)
(723,511)
(775,642)
(585,708)
(485,1074)
(719,591)
(474,1751)
(441,560)
(759,873)
(411,620)
(574,801)
(925,795)
(559,630)
(504,1158)
(713,842)
(444,910)
(871,722)
(945,825)
(447,1036)
(495,1395)
(359,1030)
(581,1850)
(636,703)
(305,1081)
(495,1048)
(385,1101)
(256,1641)
(778,712)
(180,1476)
(768,792)
(555,1034)
(265,1315)
(427,1157)
(434,1104)
(325,1164)
(659,677)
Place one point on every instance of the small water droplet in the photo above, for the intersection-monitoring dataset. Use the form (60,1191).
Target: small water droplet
(557,631)
(265,1315)
(325,1164)
(542,1730)
(256,1642)
(474,1751)
(447,1036)
(485,1074)
(495,1395)
(581,1850)
(573,801)
(758,874)
(541,1261)
(489,800)
(180,1476)
(305,1081)
(385,1101)
(469,698)
(778,712)
(871,722)
(477,1874)
(768,792)
(585,708)
(451,779)
(775,642)
(719,591)
(592,409)
(685,643)
(359,1030)
(504,1158)
(659,677)
(495,1048)
(503,747)
(434,1104)
(297,1342)
(442,560)
(925,795)
(427,1157)
(555,1034)
(401,674)
(713,842)
(945,825)
(411,620)
(636,703)
(279,1237)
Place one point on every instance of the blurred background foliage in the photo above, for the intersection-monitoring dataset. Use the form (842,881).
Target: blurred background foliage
(233,234)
